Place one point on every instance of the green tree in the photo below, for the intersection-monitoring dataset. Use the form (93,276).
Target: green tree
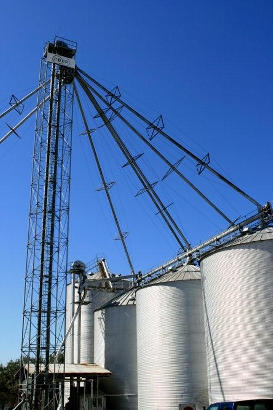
(9,383)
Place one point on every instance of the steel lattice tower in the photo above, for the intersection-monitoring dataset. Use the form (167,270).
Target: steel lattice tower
(47,246)
(43,333)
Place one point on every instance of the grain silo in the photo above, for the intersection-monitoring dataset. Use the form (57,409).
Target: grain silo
(171,359)
(72,351)
(68,318)
(115,349)
(94,298)
(238,289)
(98,290)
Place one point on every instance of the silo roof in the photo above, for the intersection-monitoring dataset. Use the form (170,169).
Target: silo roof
(261,235)
(265,234)
(185,272)
(123,299)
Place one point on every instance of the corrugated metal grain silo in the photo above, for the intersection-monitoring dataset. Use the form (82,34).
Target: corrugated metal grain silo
(72,353)
(79,346)
(94,299)
(115,349)
(171,358)
(238,300)
(68,318)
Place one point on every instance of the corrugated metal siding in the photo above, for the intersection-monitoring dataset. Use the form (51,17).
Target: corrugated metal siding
(238,299)
(99,337)
(115,347)
(87,324)
(68,318)
(171,346)
(71,345)
(94,299)
(80,341)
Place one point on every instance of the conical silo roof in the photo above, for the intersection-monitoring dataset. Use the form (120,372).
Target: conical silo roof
(185,272)
(123,299)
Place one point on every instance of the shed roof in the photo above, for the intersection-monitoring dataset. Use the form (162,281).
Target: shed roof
(90,369)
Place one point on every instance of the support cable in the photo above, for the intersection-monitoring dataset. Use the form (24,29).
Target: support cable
(176,143)
(104,182)
(12,129)
(148,187)
(154,197)
(19,102)
(161,156)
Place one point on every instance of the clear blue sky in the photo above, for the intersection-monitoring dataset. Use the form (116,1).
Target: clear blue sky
(205,65)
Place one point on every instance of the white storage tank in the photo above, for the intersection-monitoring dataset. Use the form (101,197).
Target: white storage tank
(72,342)
(238,300)
(79,346)
(68,318)
(171,358)
(80,340)
(115,350)
(94,299)
(72,352)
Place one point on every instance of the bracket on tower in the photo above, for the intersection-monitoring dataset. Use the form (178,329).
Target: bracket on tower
(13,130)
(109,185)
(89,131)
(14,101)
(112,116)
(173,167)
(133,160)
(111,98)
(202,165)
(113,95)
(146,189)
(164,208)
(124,236)
(152,129)
(105,110)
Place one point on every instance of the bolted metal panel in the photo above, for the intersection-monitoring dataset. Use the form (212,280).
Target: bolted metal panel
(115,347)
(238,288)
(171,359)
